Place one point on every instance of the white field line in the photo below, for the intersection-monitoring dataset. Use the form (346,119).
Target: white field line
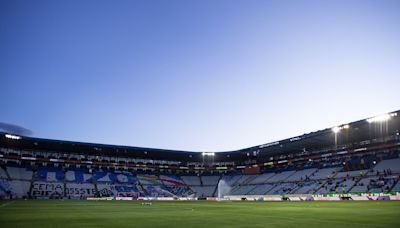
(6,204)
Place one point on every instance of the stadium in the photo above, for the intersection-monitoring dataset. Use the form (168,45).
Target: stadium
(52,181)
(192,114)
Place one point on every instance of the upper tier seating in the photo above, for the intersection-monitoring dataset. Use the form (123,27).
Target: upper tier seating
(355,173)
(148,179)
(245,179)
(392,164)
(114,177)
(3,173)
(242,189)
(263,178)
(49,174)
(170,179)
(282,188)
(281,176)
(306,187)
(20,173)
(260,189)
(78,175)
(301,175)
(324,173)
(231,179)
(191,180)
(210,180)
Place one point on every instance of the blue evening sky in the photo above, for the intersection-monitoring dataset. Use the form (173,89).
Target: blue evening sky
(195,75)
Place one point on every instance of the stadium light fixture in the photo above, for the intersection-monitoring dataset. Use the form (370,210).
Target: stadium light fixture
(208,153)
(16,137)
(381,118)
(336,129)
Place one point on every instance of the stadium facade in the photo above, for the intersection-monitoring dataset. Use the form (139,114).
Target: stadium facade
(361,158)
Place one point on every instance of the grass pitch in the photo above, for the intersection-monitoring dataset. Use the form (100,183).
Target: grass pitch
(192,214)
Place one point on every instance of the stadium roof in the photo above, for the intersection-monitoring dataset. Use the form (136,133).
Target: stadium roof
(367,129)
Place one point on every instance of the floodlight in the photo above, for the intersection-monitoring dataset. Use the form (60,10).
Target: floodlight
(381,118)
(208,153)
(16,137)
(346,126)
(336,129)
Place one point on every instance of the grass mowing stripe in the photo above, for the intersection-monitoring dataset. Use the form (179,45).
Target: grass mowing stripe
(201,214)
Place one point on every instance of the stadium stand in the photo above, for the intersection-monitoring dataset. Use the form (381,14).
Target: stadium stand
(49,174)
(263,178)
(396,188)
(52,190)
(260,189)
(391,164)
(14,188)
(301,175)
(80,190)
(78,175)
(20,173)
(191,180)
(50,182)
(323,173)
(204,191)
(355,173)
(282,188)
(281,176)
(3,173)
(45,169)
(210,180)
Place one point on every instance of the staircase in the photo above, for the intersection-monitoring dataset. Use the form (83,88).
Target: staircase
(31,183)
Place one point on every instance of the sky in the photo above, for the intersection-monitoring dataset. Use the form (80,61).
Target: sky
(195,75)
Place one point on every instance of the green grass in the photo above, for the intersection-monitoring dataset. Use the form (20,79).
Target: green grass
(60,214)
